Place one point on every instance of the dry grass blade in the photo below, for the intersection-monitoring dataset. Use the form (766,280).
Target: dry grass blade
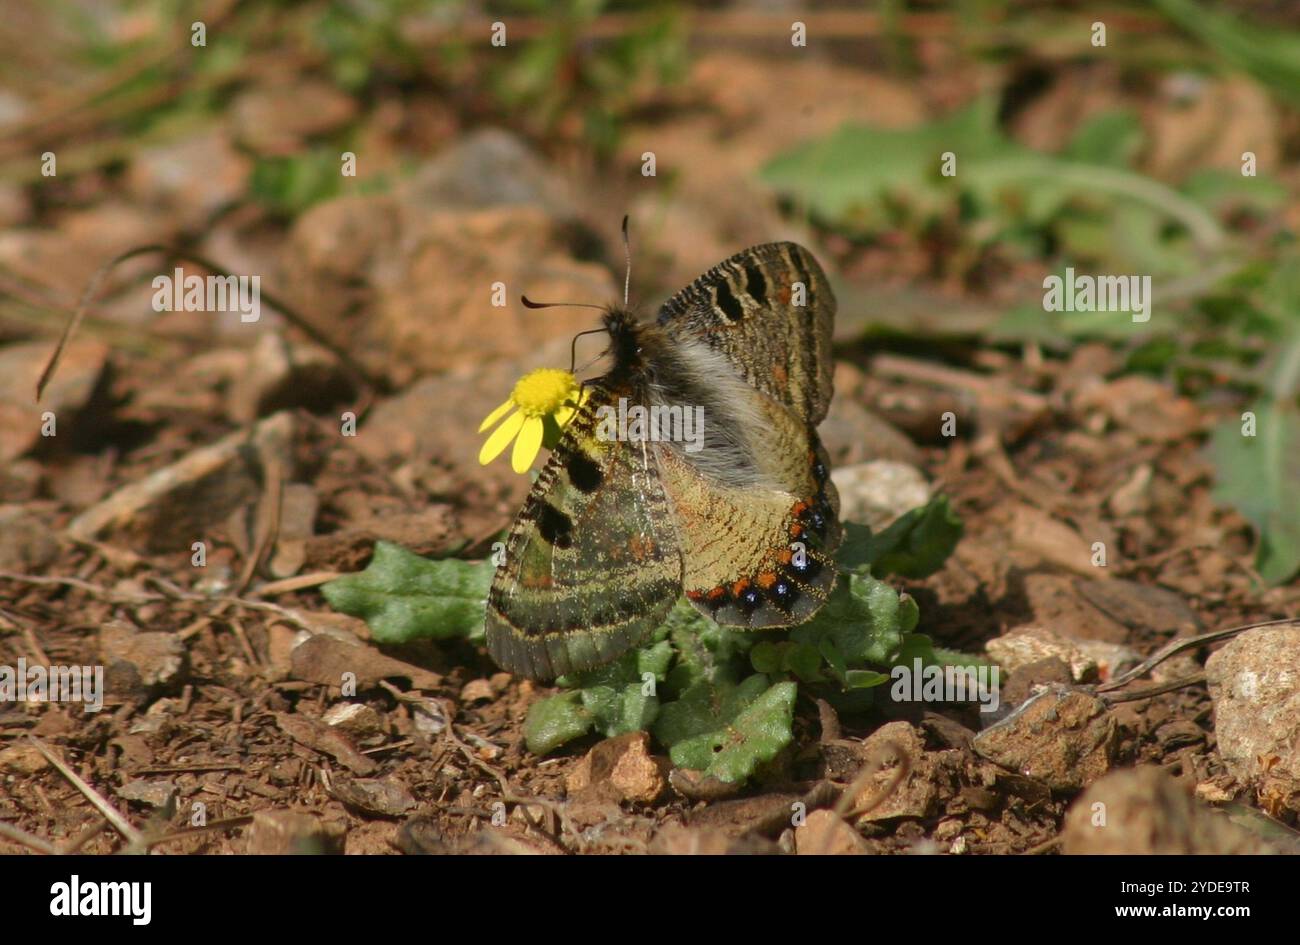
(123,826)
(290,314)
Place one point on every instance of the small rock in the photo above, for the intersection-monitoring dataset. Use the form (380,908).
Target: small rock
(159,794)
(323,658)
(1255,683)
(623,763)
(823,832)
(140,663)
(477,690)
(1216,792)
(1144,811)
(1089,660)
(1029,680)
(22,758)
(1035,531)
(278,832)
(488,168)
(1144,607)
(878,492)
(1066,605)
(429,717)
(1066,739)
(26,543)
(320,737)
(387,797)
(356,718)
(338,239)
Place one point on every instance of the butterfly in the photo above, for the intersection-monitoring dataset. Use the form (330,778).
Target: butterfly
(625,517)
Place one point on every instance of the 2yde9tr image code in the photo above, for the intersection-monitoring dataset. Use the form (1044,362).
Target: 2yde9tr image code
(1195,887)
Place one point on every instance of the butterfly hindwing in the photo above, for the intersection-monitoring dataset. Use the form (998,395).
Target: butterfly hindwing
(770,311)
(592,564)
(755,557)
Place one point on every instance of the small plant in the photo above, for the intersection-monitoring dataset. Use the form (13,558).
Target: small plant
(721,701)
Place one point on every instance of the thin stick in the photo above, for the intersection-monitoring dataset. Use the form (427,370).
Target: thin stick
(290,314)
(227,824)
(123,826)
(297,583)
(26,839)
(1180,644)
(1114,698)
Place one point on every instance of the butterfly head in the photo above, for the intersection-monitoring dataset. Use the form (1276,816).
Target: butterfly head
(624,334)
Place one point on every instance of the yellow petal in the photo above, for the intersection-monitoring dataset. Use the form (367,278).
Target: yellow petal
(495,415)
(526,447)
(500,438)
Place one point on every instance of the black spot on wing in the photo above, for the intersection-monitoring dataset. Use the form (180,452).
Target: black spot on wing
(555,526)
(727,301)
(755,283)
(800,265)
(583,471)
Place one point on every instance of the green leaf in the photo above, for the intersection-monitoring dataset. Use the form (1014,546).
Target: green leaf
(726,731)
(864,621)
(1112,138)
(858,171)
(1217,188)
(1260,476)
(915,546)
(553,722)
(866,180)
(1272,55)
(403,596)
(610,699)
(617,697)
(864,679)
(706,652)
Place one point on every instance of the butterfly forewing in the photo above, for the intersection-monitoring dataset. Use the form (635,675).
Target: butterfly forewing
(771,311)
(592,564)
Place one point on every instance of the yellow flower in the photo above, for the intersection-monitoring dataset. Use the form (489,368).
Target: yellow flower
(543,398)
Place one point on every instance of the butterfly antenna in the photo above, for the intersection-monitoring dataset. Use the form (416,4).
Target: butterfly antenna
(529,303)
(627,252)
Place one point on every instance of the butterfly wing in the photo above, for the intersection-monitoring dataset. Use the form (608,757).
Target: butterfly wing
(769,311)
(755,510)
(592,564)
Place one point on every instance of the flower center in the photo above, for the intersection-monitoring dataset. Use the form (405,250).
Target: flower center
(543,391)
